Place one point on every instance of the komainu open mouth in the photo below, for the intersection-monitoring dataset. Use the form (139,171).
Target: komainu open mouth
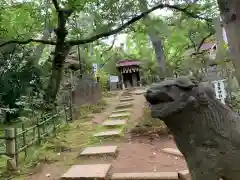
(164,98)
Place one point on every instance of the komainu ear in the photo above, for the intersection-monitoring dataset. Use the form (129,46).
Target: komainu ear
(184,82)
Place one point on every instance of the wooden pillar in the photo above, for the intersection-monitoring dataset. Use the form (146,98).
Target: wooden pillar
(123,86)
(11,148)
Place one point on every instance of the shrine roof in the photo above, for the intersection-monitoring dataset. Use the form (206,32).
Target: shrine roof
(204,47)
(207,46)
(128,62)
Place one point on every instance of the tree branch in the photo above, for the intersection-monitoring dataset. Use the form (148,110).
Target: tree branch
(56,5)
(133,20)
(197,51)
(204,39)
(113,42)
(28,41)
(106,34)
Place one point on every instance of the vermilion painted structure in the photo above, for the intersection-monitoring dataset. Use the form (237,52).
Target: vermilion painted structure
(129,69)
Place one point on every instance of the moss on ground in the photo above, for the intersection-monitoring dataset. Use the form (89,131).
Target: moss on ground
(148,125)
(60,149)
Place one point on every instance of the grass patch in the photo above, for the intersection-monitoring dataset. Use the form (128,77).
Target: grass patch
(86,110)
(110,94)
(60,149)
(148,125)
(101,140)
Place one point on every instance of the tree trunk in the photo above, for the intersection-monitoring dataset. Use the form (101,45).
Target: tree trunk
(159,51)
(230,13)
(155,39)
(61,52)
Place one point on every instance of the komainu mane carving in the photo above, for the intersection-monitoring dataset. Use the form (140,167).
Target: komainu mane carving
(206,131)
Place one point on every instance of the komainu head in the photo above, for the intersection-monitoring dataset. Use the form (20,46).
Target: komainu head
(174,95)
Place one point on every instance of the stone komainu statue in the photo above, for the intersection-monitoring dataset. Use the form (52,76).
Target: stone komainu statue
(206,131)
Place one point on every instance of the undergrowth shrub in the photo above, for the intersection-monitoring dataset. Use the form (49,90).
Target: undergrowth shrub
(148,125)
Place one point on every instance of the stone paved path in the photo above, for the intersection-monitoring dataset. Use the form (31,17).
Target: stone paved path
(119,117)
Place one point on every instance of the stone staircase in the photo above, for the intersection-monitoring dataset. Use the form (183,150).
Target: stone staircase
(115,123)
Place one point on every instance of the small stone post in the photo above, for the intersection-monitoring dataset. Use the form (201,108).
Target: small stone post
(10,148)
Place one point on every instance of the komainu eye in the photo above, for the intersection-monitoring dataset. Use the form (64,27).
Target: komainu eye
(168,88)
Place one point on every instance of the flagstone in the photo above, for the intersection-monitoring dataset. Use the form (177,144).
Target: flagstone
(114,122)
(125,99)
(99,150)
(146,176)
(118,115)
(184,175)
(172,151)
(93,171)
(124,105)
(122,110)
(108,133)
(127,96)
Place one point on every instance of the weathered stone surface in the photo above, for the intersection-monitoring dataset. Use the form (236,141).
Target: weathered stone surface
(114,123)
(196,118)
(173,151)
(139,91)
(126,99)
(128,96)
(99,150)
(147,175)
(119,115)
(184,175)
(123,105)
(94,171)
(108,133)
(122,110)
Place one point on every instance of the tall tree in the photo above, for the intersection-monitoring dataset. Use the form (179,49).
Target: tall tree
(230,13)
(63,44)
(156,39)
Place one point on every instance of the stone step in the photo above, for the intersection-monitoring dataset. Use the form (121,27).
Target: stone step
(119,115)
(122,110)
(139,92)
(114,122)
(172,151)
(109,133)
(184,175)
(126,96)
(99,150)
(146,176)
(124,105)
(93,171)
(126,99)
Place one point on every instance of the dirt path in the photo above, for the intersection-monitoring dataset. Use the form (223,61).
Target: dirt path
(143,154)
(135,154)
(76,139)
(100,117)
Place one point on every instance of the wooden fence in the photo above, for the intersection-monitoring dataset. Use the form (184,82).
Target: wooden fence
(81,92)
(18,140)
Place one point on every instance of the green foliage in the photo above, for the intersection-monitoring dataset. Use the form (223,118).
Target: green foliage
(29,18)
(148,125)
(19,76)
(19,20)
(104,80)
(96,108)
